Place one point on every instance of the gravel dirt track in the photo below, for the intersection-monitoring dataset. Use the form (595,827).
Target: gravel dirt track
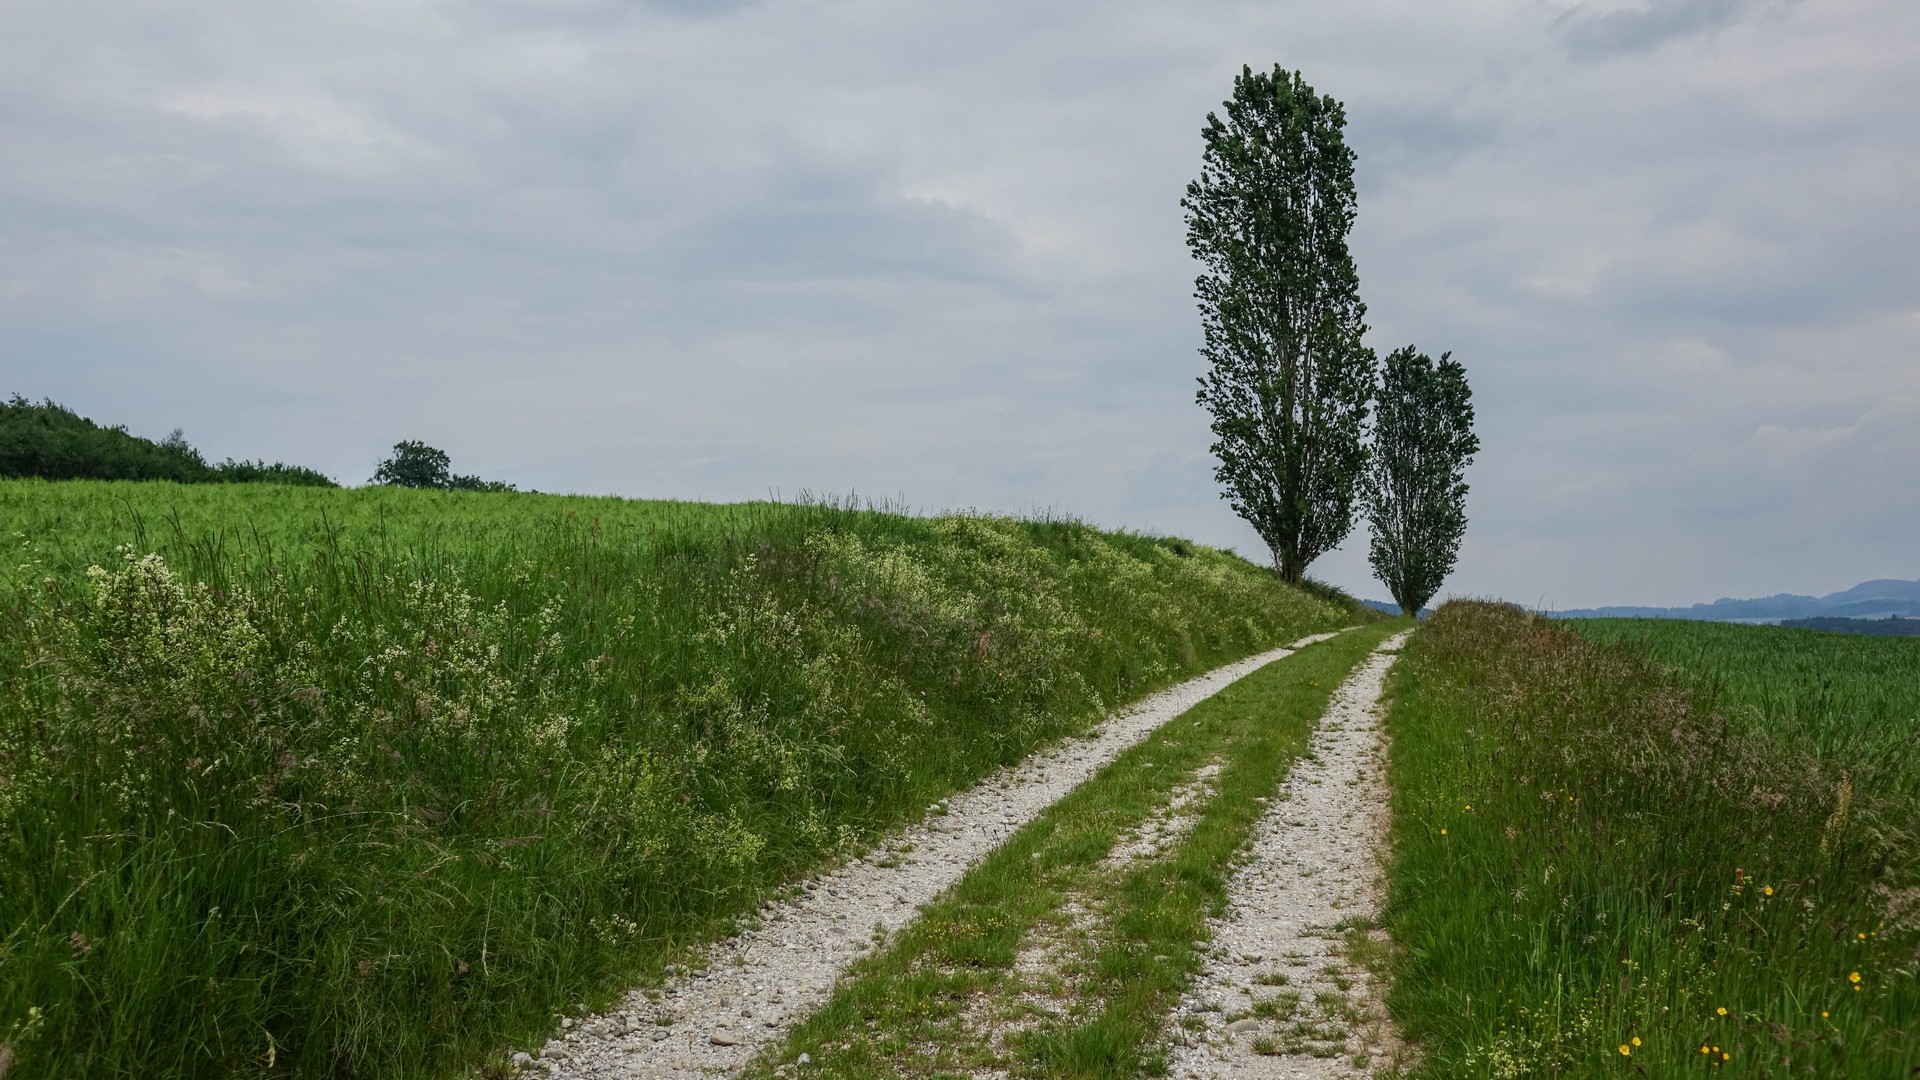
(1314,872)
(715,1019)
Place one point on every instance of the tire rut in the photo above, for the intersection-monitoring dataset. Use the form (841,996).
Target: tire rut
(1280,996)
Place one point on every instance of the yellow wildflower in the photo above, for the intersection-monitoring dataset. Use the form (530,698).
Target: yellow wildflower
(1722,1010)
(1626,1050)
(1854,977)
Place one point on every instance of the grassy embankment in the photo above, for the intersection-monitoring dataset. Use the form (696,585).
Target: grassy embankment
(372,783)
(1115,943)
(1656,849)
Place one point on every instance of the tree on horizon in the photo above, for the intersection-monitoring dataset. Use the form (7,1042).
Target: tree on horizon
(414,464)
(1289,380)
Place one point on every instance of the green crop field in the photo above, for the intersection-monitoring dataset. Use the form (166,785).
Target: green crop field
(1644,848)
(355,783)
(1846,697)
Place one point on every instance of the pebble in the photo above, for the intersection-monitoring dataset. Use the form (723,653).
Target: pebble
(1304,871)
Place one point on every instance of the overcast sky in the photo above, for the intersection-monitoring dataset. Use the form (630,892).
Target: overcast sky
(934,252)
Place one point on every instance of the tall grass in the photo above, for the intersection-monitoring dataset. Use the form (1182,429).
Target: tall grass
(1601,866)
(301,782)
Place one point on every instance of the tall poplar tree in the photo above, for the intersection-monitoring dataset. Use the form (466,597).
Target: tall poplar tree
(1416,491)
(1288,380)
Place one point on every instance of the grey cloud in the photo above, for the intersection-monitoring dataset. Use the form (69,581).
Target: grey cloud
(1592,34)
(707,9)
(1415,139)
(838,231)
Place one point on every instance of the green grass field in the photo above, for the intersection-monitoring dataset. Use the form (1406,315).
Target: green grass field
(1655,849)
(371,783)
(1846,697)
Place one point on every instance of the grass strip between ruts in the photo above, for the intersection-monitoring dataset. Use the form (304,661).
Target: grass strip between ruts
(905,1011)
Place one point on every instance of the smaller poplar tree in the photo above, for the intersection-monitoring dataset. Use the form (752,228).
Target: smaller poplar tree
(1416,488)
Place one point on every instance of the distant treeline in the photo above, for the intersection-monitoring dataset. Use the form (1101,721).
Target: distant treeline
(1891,626)
(53,442)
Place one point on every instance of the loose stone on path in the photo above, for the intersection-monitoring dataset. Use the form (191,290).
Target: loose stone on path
(1277,997)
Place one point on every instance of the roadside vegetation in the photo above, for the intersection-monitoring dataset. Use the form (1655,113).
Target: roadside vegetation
(1288,380)
(1055,958)
(311,782)
(1655,849)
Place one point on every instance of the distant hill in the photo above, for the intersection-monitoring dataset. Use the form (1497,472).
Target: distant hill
(1392,608)
(1893,626)
(1877,599)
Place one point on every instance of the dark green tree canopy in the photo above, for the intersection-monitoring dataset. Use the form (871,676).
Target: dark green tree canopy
(1416,492)
(1289,381)
(415,465)
(51,441)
